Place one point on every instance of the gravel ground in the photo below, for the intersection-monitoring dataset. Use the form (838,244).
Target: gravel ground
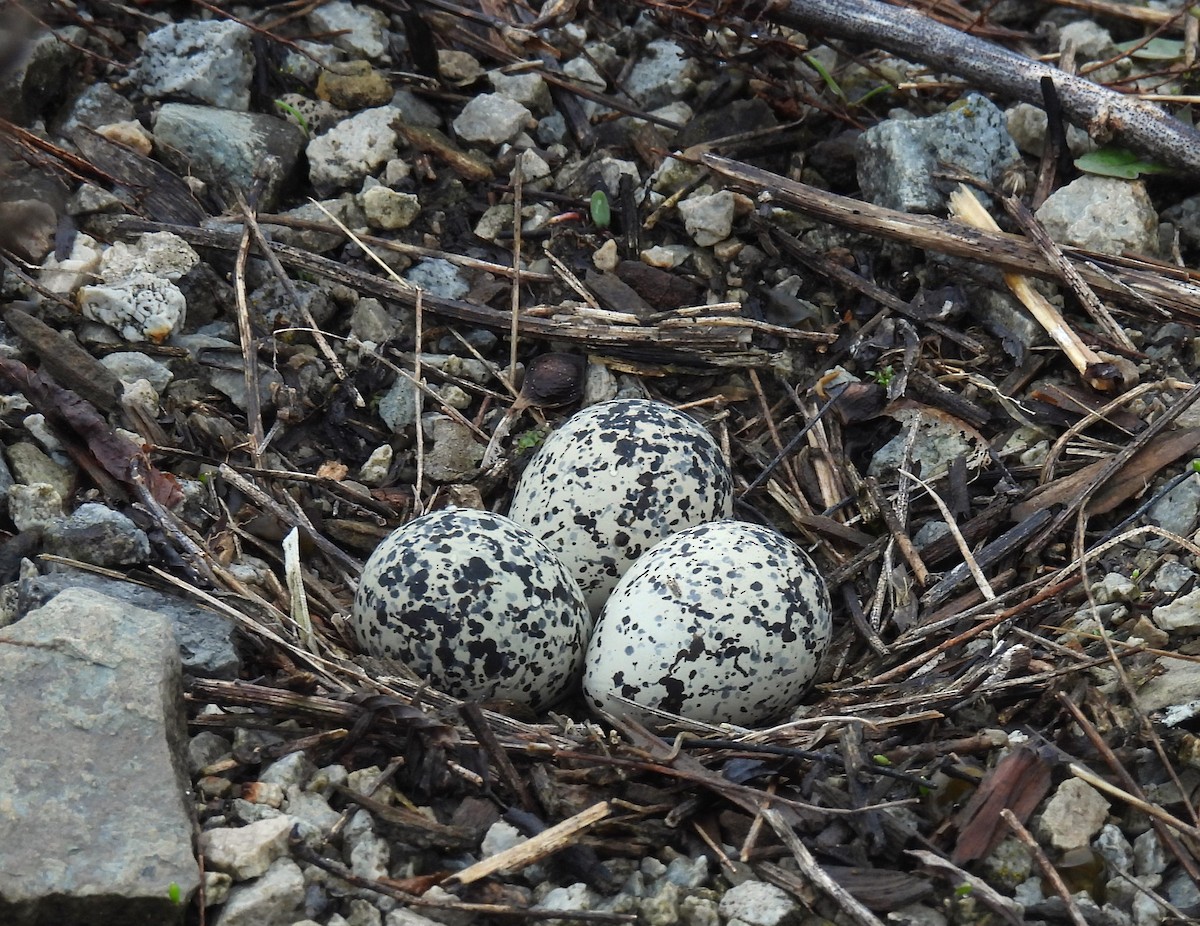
(747,222)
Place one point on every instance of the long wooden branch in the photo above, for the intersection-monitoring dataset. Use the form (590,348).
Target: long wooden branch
(1137,284)
(1102,112)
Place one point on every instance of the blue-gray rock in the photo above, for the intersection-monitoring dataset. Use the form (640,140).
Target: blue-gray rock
(898,157)
(96,826)
(205,638)
(96,534)
(227,149)
(99,104)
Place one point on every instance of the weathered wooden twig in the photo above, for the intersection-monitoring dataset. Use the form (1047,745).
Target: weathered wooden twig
(1103,113)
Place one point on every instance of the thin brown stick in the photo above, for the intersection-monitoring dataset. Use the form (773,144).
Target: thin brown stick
(249,350)
(1049,871)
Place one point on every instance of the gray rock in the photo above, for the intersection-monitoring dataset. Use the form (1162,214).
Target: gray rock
(99,104)
(204,638)
(1027,125)
(363,28)
(688,872)
(1183,613)
(34,505)
(352,149)
(389,209)
(492,119)
(759,904)
(573,897)
(1178,685)
(33,82)
(310,116)
(529,89)
(1074,814)
(1008,864)
(661,75)
(708,218)
(660,908)
(293,769)
(1110,843)
(31,465)
(1182,891)
(398,406)
(272,306)
(939,440)
(1092,41)
(1149,856)
(312,810)
(96,534)
(402,916)
(898,157)
(228,149)
(371,321)
(130,366)
(699,911)
(245,852)
(205,748)
(1178,510)
(100,786)
(1102,214)
(205,62)
(455,454)
(916,915)
(344,208)
(439,277)
(275,899)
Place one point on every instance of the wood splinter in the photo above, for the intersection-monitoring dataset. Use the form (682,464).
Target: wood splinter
(1099,373)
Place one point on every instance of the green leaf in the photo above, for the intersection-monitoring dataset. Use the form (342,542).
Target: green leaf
(1157,49)
(880,759)
(292,111)
(1117,162)
(963,890)
(601,213)
(175,893)
(825,76)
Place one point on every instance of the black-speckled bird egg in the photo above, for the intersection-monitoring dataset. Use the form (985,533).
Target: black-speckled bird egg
(725,622)
(475,603)
(614,480)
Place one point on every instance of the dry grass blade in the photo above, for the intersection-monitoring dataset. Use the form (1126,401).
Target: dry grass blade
(534,849)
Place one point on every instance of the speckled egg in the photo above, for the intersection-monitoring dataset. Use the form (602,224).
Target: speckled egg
(475,603)
(613,481)
(725,622)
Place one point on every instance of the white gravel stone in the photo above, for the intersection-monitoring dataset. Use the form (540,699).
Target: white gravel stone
(1181,614)
(529,89)
(275,899)
(388,209)
(34,505)
(204,62)
(1102,214)
(246,851)
(492,119)
(67,275)
(352,149)
(363,27)
(759,904)
(1074,815)
(709,219)
(141,307)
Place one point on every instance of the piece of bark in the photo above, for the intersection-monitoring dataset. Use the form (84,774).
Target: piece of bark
(1018,783)
(1105,114)
(63,358)
(1125,484)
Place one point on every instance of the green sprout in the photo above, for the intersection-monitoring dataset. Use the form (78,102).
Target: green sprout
(883,377)
(529,440)
(963,890)
(832,84)
(880,759)
(175,893)
(601,211)
(1117,162)
(292,111)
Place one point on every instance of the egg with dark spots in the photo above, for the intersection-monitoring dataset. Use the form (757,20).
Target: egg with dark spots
(476,604)
(721,623)
(613,481)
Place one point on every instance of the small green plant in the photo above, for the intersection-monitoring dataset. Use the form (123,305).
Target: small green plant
(600,209)
(292,111)
(175,893)
(830,82)
(528,440)
(1157,49)
(882,760)
(883,377)
(1117,162)
(963,890)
